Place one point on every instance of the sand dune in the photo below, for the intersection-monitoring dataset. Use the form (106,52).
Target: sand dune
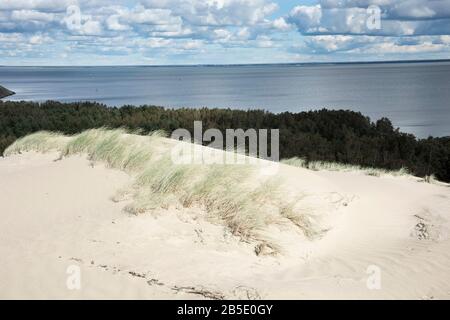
(347,235)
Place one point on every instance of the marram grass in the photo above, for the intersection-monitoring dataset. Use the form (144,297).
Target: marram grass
(334,166)
(41,142)
(228,194)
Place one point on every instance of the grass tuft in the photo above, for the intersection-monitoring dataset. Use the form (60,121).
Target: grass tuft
(231,195)
(340,167)
(42,141)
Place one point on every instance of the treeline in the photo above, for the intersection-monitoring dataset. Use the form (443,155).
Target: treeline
(339,136)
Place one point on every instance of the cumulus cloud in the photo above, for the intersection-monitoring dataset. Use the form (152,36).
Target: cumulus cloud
(354,25)
(212,21)
(334,43)
(38,39)
(157,27)
(372,46)
(149,21)
(218,12)
(306,18)
(31,15)
(398,18)
(281,24)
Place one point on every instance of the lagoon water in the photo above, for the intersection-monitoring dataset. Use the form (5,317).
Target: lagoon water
(415,96)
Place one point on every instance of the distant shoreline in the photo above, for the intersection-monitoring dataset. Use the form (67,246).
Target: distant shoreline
(237,64)
(5,92)
(377,90)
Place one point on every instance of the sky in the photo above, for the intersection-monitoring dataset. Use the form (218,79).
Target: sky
(185,32)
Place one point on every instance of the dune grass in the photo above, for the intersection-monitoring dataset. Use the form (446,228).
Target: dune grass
(43,141)
(340,167)
(230,195)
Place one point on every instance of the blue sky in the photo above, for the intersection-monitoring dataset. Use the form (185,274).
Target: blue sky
(155,32)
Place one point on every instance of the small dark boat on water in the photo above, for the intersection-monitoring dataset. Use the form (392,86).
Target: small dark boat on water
(5,92)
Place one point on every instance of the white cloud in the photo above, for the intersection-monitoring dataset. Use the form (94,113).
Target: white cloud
(39,39)
(419,9)
(78,23)
(390,47)
(150,21)
(334,43)
(445,39)
(113,23)
(281,24)
(373,45)
(342,26)
(218,12)
(90,27)
(10,38)
(31,15)
(158,42)
(306,18)
(176,27)
(399,18)
(192,45)
(264,42)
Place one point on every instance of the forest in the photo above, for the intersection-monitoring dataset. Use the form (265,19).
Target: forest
(326,135)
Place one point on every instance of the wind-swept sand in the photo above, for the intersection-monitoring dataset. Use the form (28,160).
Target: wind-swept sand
(58,214)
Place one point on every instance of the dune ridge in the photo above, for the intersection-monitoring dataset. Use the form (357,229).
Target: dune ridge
(57,212)
(236,195)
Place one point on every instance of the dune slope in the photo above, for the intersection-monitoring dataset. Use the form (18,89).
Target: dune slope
(381,237)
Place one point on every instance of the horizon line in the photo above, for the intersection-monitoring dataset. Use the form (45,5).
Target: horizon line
(242,64)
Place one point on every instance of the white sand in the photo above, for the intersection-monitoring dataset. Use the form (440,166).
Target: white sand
(58,214)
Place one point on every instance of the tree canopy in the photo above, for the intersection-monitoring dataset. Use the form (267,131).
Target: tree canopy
(327,135)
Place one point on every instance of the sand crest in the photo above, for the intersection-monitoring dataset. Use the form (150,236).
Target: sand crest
(386,237)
